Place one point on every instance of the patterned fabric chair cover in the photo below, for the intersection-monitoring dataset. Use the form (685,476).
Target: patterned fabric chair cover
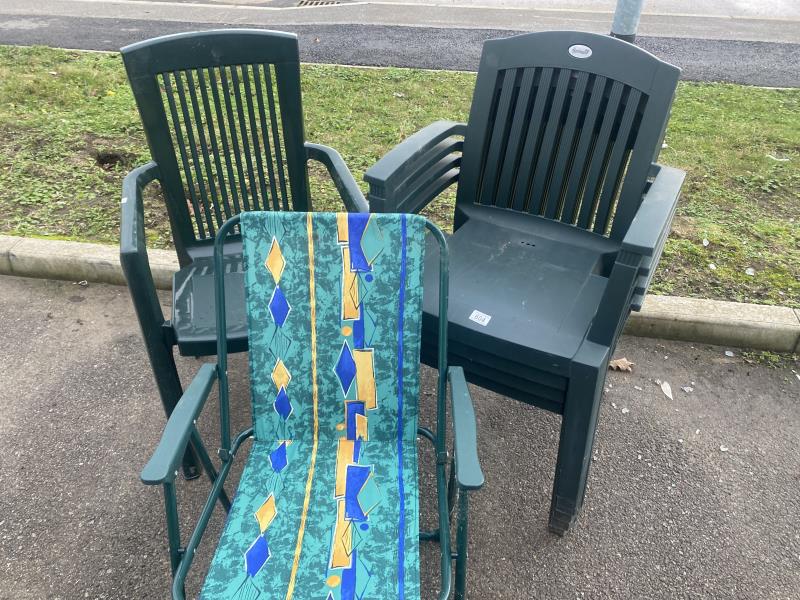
(327,504)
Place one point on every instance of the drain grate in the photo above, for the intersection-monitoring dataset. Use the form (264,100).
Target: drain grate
(317,2)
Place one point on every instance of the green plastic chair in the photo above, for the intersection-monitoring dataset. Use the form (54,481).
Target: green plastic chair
(561,215)
(328,503)
(223,117)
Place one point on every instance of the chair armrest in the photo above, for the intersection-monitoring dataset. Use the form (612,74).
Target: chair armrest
(653,219)
(132,247)
(132,240)
(638,256)
(615,304)
(465,432)
(349,191)
(168,455)
(417,170)
(650,228)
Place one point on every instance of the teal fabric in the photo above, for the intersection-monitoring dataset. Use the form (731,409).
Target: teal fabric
(327,505)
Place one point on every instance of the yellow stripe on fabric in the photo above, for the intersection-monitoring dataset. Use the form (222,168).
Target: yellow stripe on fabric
(314,393)
(341,228)
(344,457)
(350,310)
(342,540)
(362,429)
(365,378)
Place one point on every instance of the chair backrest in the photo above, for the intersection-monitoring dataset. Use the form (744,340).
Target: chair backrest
(223,118)
(334,308)
(566,125)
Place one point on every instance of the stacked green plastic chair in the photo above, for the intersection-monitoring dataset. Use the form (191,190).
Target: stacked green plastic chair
(561,216)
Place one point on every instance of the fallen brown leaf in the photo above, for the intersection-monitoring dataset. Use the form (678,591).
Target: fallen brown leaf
(621,364)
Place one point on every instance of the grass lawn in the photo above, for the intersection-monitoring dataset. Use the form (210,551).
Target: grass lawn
(69,132)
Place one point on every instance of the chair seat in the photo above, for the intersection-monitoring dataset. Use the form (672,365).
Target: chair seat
(266,546)
(194,306)
(519,381)
(523,289)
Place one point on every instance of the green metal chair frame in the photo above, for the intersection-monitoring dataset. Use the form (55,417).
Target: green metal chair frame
(452,488)
(560,206)
(223,140)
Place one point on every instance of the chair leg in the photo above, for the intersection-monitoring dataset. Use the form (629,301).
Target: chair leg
(575,446)
(451,487)
(169,388)
(159,349)
(462,542)
(209,468)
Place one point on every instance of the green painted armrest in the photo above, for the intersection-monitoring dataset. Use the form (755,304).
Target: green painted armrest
(613,309)
(167,457)
(465,432)
(132,248)
(650,228)
(638,256)
(351,194)
(132,240)
(415,171)
(653,219)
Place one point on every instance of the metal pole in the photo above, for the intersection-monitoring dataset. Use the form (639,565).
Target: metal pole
(626,19)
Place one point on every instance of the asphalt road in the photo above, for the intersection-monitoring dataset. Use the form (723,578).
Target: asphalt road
(747,62)
(668,514)
(786,9)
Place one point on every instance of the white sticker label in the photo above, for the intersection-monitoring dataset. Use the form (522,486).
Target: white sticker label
(580,51)
(480,318)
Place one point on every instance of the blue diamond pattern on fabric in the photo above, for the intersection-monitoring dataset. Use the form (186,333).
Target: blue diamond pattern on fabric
(279,307)
(356,223)
(345,368)
(277,458)
(256,556)
(355,478)
(282,404)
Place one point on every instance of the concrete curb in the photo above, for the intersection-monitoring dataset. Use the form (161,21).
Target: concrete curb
(76,261)
(774,328)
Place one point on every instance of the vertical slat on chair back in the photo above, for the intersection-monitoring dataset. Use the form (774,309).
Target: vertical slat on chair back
(223,118)
(565,125)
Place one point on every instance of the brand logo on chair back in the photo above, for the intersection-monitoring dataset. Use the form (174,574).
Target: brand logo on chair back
(580,51)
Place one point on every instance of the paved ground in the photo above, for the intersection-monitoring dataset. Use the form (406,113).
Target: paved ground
(668,513)
(754,63)
(769,20)
(721,8)
(742,47)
